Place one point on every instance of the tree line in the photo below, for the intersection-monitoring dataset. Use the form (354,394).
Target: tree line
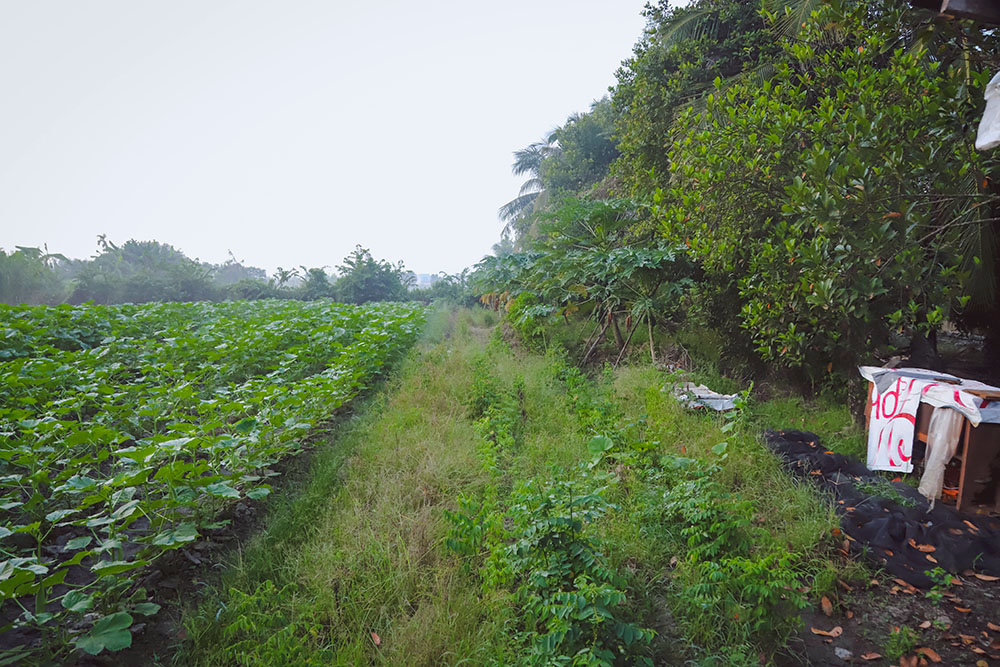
(797,176)
(146,271)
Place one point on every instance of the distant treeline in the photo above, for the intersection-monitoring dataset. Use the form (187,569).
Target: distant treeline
(146,271)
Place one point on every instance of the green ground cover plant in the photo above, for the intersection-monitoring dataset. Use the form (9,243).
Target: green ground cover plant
(500,506)
(125,430)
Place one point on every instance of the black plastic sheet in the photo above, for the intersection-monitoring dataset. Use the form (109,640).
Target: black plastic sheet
(891,534)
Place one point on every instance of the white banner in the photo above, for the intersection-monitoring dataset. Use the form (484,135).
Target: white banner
(891,425)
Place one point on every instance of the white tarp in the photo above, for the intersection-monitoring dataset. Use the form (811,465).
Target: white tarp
(988,135)
(699,396)
(891,424)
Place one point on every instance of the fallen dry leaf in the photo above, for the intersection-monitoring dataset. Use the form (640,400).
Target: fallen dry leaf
(835,632)
(930,558)
(967,639)
(924,548)
(827,606)
(982,663)
(977,650)
(847,587)
(986,577)
(925,625)
(871,656)
(971,525)
(376,639)
(963,610)
(993,626)
(850,614)
(930,653)
(908,661)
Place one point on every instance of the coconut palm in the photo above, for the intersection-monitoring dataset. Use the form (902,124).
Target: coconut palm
(528,161)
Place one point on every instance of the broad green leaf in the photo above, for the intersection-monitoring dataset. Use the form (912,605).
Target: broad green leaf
(110,633)
(599,444)
(222,490)
(77,601)
(146,608)
(258,493)
(78,543)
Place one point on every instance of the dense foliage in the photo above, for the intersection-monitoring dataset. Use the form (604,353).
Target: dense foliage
(814,162)
(125,430)
(854,167)
(590,258)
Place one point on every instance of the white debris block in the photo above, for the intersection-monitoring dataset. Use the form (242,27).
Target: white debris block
(699,396)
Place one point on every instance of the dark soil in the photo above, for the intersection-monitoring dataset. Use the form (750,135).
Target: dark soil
(962,628)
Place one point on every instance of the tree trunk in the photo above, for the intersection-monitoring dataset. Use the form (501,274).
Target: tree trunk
(652,346)
(593,347)
(619,341)
(924,352)
(628,339)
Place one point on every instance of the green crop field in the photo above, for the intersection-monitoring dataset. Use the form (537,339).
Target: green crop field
(126,430)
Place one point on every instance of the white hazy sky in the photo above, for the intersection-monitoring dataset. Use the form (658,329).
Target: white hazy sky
(287,131)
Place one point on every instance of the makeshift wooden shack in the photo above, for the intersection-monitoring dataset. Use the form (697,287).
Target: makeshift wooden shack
(972,475)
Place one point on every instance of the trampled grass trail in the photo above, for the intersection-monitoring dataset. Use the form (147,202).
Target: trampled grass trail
(494,506)
(354,570)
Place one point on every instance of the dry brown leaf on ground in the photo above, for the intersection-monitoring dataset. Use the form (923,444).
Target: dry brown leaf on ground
(871,656)
(925,625)
(925,548)
(376,639)
(827,605)
(930,654)
(986,577)
(993,626)
(835,632)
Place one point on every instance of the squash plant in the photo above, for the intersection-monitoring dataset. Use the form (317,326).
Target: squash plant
(124,430)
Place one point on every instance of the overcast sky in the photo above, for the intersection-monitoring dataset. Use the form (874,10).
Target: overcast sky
(287,131)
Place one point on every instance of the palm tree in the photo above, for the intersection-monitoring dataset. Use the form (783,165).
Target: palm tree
(528,161)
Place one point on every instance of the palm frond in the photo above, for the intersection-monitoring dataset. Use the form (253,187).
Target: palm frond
(516,207)
(694,24)
(531,186)
(790,15)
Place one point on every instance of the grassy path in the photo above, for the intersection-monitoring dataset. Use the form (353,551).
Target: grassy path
(495,506)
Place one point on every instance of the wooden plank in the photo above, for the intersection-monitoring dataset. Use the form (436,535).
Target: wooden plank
(983,393)
(868,405)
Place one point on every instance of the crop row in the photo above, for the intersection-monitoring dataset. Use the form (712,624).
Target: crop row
(124,430)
